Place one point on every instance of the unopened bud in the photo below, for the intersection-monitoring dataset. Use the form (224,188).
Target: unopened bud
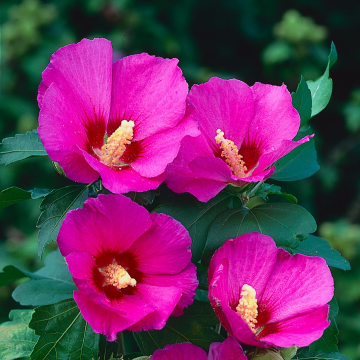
(288,353)
(59,169)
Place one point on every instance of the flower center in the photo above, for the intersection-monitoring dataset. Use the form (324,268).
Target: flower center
(231,154)
(247,307)
(117,276)
(116,144)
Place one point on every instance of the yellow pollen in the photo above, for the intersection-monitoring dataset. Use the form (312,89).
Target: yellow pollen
(231,154)
(116,144)
(247,307)
(117,276)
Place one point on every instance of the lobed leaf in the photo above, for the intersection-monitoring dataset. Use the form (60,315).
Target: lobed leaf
(193,326)
(267,189)
(17,340)
(50,284)
(299,163)
(321,88)
(14,195)
(12,273)
(302,101)
(315,246)
(21,147)
(197,216)
(64,334)
(287,224)
(305,354)
(53,211)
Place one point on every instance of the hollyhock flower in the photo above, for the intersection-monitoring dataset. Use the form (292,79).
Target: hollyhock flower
(132,268)
(120,121)
(230,349)
(244,130)
(266,297)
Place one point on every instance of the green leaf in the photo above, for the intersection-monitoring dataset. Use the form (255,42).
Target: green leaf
(197,216)
(143,198)
(193,326)
(321,88)
(315,246)
(299,163)
(53,210)
(107,349)
(14,195)
(266,189)
(12,273)
(64,334)
(287,224)
(305,354)
(328,341)
(48,285)
(21,147)
(16,338)
(301,101)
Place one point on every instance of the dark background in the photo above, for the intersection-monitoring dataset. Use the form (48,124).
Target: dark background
(253,40)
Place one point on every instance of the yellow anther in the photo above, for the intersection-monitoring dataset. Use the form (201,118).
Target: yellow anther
(116,144)
(247,307)
(117,276)
(231,154)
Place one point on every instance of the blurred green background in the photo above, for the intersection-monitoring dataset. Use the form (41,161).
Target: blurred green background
(253,40)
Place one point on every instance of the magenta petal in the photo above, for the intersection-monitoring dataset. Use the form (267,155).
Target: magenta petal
(159,150)
(62,133)
(230,349)
(149,90)
(184,351)
(104,319)
(221,302)
(300,331)
(110,222)
(164,248)
(186,280)
(81,265)
(82,72)
(254,252)
(125,180)
(272,103)
(223,104)
(162,300)
(298,284)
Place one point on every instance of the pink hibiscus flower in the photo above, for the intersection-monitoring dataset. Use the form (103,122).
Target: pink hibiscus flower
(120,121)
(132,268)
(230,349)
(244,130)
(266,297)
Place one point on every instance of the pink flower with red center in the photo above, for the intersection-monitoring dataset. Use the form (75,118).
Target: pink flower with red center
(132,268)
(244,130)
(120,121)
(266,297)
(230,349)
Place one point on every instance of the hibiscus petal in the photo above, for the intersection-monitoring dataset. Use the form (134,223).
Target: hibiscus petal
(298,284)
(275,119)
(230,349)
(285,147)
(124,180)
(162,300)
(251,259)
(184,351)
(223,104)
(164,248)
(221,303)
(109,223)
(186,281)
(107,320)
(159,150)
(300,331)
(62,133)
(149,90)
